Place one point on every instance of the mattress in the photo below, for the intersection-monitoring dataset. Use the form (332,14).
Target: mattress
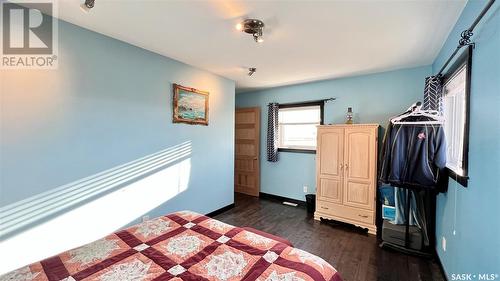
(180,246)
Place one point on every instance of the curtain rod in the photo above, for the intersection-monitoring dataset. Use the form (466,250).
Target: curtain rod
(466,35)
(309,101)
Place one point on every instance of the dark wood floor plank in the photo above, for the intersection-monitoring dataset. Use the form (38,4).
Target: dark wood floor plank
(355,255)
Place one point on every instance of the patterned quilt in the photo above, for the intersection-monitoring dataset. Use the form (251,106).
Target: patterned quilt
(180,246)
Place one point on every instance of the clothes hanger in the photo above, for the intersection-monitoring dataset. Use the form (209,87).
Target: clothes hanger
(416,110)
(409,110)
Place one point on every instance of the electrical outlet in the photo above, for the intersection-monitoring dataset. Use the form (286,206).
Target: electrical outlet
(443,243)
(145,218)
(305,188)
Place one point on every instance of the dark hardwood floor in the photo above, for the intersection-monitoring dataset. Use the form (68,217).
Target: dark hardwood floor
(355,255)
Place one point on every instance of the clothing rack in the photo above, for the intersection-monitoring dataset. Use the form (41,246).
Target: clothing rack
(466,35)
(406,248)
(416,107)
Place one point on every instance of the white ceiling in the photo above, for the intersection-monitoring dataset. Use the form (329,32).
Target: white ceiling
(304,40)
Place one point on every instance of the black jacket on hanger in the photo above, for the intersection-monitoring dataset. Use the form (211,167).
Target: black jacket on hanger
(414,155)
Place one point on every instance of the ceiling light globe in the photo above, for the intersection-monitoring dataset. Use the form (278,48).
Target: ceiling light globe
(260,40)
(239,26)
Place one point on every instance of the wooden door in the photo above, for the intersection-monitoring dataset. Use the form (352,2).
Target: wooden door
(359,166)
(247,146)
(329,157)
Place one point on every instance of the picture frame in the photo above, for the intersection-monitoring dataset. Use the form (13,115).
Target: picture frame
(190,106)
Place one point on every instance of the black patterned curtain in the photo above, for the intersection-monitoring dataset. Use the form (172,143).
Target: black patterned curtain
(272,132)
(433,94)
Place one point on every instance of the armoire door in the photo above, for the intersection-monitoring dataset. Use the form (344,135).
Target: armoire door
(247,147)
(359,161)
(329,157)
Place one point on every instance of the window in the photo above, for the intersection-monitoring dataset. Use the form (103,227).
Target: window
(456,113)
(297,126)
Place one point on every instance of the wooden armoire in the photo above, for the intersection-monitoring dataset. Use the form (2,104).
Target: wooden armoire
(346,173)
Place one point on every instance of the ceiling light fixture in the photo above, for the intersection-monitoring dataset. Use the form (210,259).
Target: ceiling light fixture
(254,27)
(89,4)
(251,71)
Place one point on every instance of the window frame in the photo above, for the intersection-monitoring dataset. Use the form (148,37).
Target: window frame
(321,105)
(464,59)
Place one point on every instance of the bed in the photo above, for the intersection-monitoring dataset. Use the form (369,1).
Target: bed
(181,246)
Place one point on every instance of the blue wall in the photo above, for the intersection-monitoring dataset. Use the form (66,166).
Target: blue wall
(374,98)
(473,212)
(107,104)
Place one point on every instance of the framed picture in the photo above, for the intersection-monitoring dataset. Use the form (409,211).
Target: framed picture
(190,105)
